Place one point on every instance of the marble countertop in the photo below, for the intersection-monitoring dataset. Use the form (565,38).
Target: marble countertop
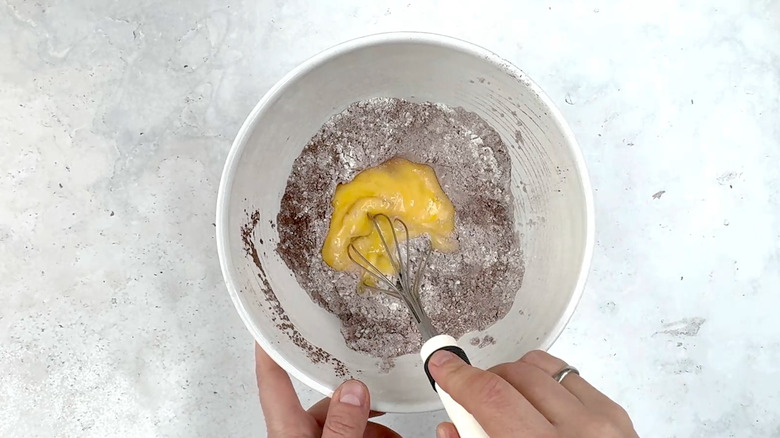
(116,117)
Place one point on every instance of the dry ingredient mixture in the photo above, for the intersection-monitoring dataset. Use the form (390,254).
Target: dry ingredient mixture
(463,291)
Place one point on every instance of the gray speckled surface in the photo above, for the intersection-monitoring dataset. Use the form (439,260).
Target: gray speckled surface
(115,118)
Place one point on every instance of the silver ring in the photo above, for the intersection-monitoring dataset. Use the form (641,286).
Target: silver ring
(560,375)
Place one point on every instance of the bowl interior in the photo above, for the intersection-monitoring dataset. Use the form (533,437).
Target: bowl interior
(553,211)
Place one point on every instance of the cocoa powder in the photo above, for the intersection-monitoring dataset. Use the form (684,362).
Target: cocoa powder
(467,290)
(280,318)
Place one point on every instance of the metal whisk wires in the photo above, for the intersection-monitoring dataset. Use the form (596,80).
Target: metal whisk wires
(400,285)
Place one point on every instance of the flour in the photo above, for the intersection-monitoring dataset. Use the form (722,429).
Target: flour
(463,291)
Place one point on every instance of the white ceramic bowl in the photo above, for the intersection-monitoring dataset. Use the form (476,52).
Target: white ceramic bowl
(553,203)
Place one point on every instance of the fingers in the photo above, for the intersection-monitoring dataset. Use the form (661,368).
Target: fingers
(346,415)
(493,402)
(590,397)
(374,430)
(348,411)
(280,404)
(446,430)
(554,401)
(587,394)
(319,411)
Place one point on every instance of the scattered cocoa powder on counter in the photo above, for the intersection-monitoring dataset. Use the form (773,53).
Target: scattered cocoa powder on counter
(463,291)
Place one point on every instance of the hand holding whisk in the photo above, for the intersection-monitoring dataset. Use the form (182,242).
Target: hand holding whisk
(401,284)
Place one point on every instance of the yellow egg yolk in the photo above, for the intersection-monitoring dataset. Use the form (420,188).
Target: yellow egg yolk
(397,188)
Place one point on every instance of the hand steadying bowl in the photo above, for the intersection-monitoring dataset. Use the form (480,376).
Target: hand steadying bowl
(553,205)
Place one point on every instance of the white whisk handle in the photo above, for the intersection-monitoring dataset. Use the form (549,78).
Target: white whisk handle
(467,425)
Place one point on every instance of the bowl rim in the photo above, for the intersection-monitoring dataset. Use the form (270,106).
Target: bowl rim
(240,142)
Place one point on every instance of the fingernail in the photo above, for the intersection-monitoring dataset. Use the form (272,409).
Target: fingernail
(440,357)
(353,393)
(441,432)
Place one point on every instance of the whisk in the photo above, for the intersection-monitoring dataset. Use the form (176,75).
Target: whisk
(406,287)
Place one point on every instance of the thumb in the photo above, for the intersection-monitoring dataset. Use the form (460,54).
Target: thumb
(348,411)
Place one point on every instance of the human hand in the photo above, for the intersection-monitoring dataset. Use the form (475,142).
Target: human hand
(343,416)
(521,399)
